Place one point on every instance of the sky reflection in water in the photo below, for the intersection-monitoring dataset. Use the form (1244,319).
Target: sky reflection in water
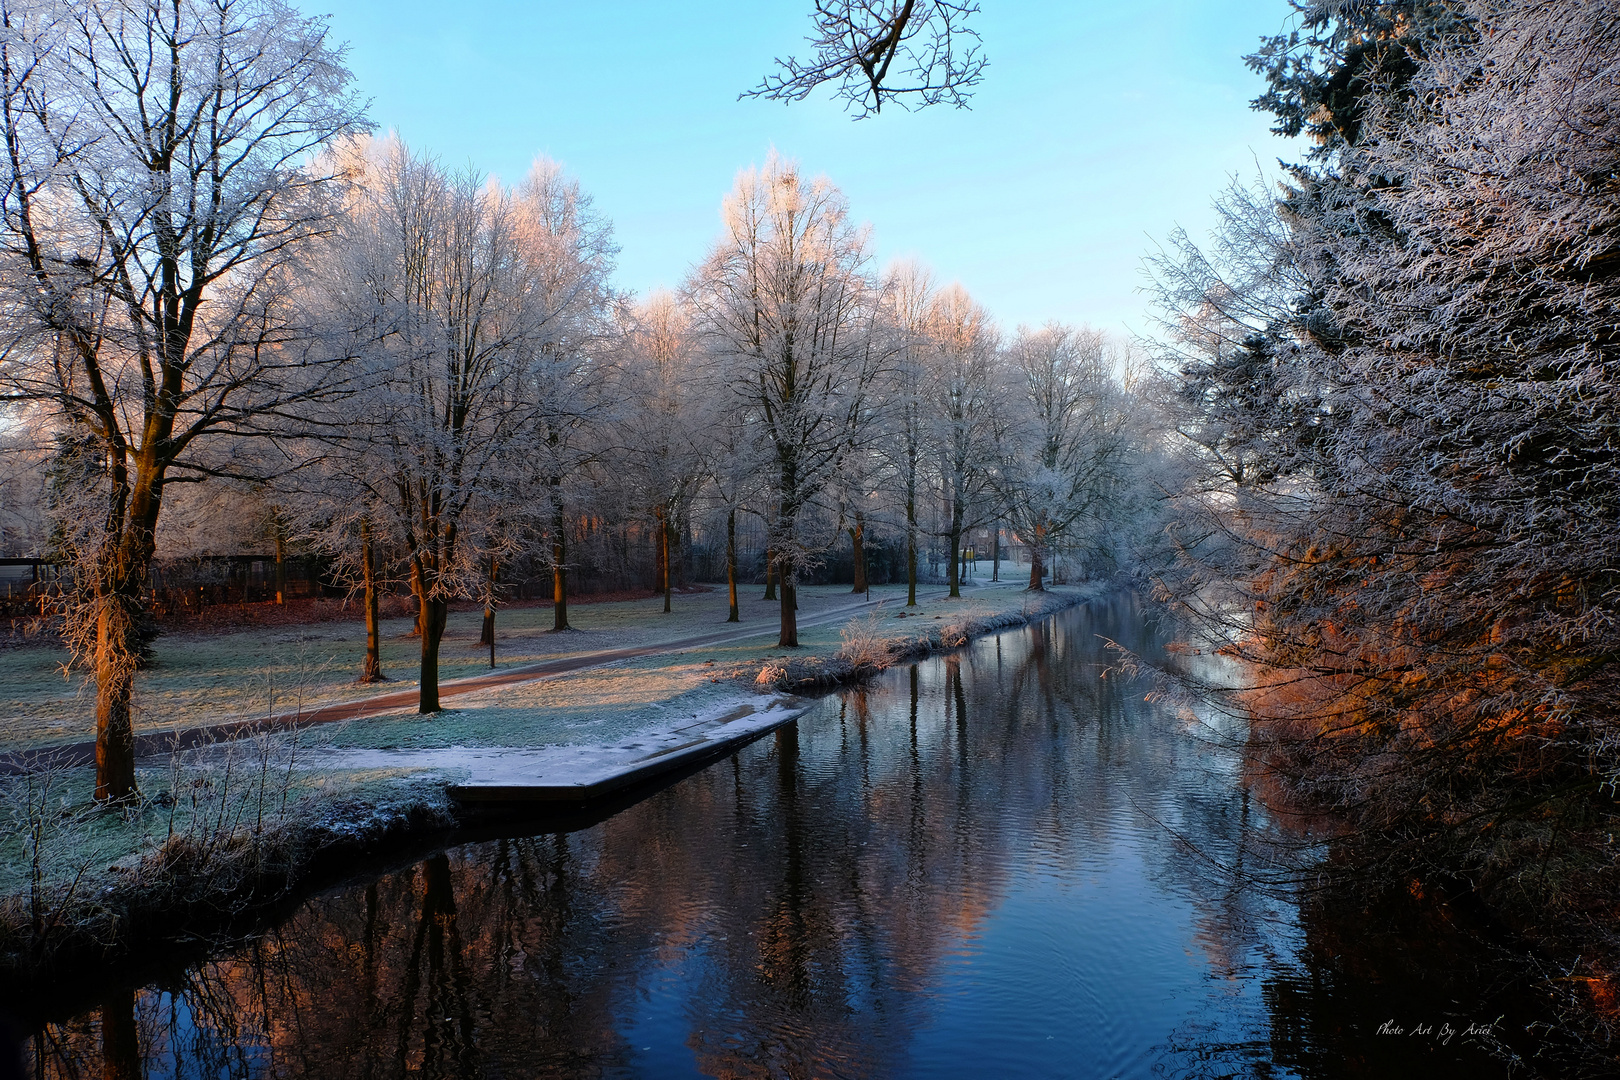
(996,863)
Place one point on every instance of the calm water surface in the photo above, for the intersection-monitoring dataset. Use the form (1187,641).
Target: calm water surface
(999,863)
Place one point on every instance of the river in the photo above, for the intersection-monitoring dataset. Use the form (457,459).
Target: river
(1002,862)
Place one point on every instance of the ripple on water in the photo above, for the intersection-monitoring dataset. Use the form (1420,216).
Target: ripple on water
(993,864)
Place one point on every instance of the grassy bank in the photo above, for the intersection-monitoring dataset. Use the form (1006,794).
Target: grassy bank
(201,677)
(227,830)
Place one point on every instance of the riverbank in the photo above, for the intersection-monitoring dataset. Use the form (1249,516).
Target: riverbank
(926,877)
(202,677)
(234,828)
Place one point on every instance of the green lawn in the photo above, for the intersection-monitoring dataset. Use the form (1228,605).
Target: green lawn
(198,679)
(280,782)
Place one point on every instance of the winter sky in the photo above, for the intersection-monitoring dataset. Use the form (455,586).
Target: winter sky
(1098,128)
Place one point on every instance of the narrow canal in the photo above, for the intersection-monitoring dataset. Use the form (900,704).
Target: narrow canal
(1003,862)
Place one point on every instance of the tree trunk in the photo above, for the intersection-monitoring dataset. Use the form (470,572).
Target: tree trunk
(667,533)
(435,611)
(734,615)
(911,549)
(789,637)
(559,570)
(954,576)
(115,685)
(770,575)
(857,540)
(486,635)
(281,560)
(371,670)
(116,600)
(995,551)
(416,591)
(120,602)
(1035,568)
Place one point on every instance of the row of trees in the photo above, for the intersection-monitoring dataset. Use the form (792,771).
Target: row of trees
(211,272)
(1398,382)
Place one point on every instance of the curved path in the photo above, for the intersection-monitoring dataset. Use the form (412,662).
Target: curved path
(181,738)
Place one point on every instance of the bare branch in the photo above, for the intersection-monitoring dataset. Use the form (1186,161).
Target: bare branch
(857,42)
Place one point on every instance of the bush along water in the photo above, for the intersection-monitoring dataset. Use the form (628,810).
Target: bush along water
(226,831)
(870,646)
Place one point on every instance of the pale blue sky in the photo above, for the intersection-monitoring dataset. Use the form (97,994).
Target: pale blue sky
(1098,128)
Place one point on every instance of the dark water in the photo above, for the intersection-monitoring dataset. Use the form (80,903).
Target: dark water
(999,863)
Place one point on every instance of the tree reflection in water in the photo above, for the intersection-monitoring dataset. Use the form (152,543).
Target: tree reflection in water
(994,862)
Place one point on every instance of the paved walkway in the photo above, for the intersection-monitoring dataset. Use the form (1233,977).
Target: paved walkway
(167,740)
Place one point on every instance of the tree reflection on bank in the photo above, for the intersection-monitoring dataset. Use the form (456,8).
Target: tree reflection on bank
(998,857)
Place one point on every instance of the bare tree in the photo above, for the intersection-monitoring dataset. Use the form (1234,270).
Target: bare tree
(572,249)
(908,294)
(1064,455)
(443,289)
(788,314)
(666,437)
(155,198)
(857,44)
(960,383)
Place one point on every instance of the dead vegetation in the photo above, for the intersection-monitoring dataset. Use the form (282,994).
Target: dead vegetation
(227,829)
(870,646)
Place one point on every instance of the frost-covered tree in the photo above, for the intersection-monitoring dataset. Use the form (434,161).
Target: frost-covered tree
(960,380)
(786,311)
(666,414)
(446,287)
(156,197)
(1407,518)
(907,297)
(571,246)
(1066,444)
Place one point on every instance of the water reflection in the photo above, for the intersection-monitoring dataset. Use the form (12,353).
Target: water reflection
(998,862)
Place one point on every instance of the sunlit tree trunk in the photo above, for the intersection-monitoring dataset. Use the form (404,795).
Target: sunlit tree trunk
(1036,570)
(280,534)
(119,597)
(559,569)
(116,651)
(486,634)
(735,614)
(416,593)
